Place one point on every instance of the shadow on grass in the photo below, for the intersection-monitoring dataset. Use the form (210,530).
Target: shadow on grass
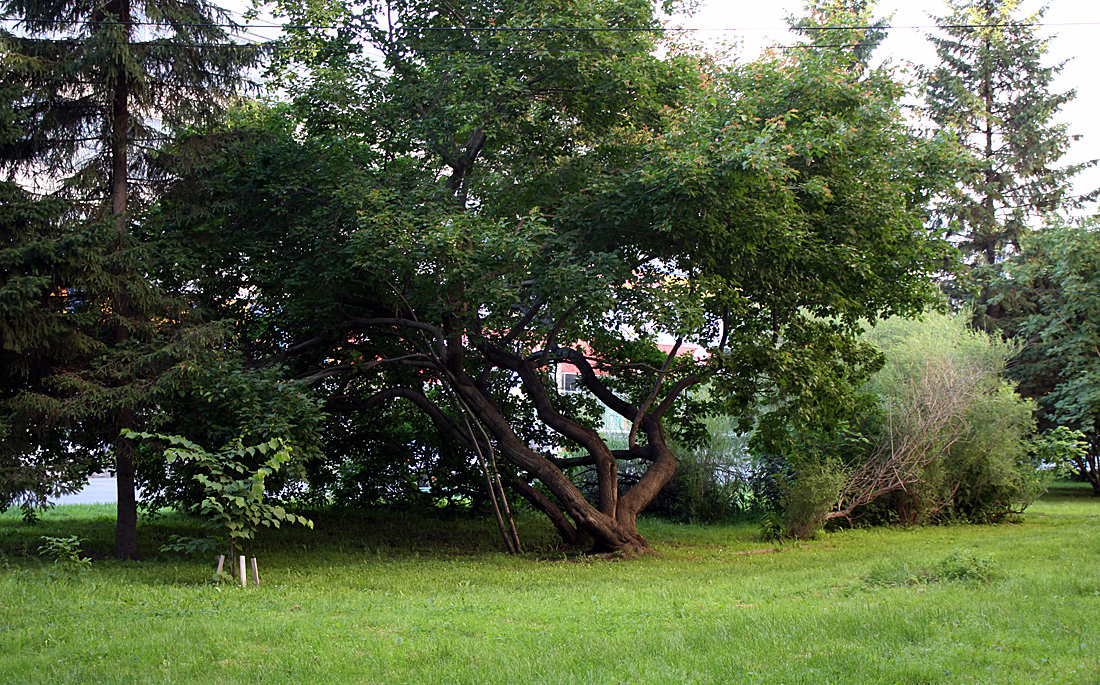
(336,532)
(353,536)
(1064,490)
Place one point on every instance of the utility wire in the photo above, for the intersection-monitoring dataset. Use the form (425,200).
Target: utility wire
(275,45)
(570,29)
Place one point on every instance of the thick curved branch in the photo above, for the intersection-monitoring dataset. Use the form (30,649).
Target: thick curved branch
(631,438)
(620,455)
(565,528)
(532,383)
(590,440)
(420,360)
(655,477)
(597,388)
(399,322)
(676,390)
(549,343)
(294,349)
(526,319)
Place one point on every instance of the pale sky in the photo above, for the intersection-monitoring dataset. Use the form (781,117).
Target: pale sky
(1073,24)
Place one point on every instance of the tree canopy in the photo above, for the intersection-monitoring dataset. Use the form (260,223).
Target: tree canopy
(444,206)
(448,223)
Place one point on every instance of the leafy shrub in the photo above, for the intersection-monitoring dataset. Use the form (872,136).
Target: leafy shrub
(234,506)
(797,492)
(990,470)
(220,400)
(1060,451)
(950,434)
(68,559)
(1047,294)
(809,496)
(974,464)
(944,436)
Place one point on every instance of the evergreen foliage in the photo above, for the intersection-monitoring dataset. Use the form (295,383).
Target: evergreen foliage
(90,80)
(47,266)
(993,90)
(92,87)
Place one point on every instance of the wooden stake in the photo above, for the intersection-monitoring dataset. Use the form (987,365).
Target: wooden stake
(255,572)
(221,563)
(244,577)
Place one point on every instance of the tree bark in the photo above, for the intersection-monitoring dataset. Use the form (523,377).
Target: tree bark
(126,522)
(568,532)
(611,522)
(610,533)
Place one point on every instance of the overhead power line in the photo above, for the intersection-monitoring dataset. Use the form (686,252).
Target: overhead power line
(562,29)
(256,41)
(277,46)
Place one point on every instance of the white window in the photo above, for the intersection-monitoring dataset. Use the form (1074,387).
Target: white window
(570,382)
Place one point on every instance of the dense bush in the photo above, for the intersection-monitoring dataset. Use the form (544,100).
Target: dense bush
(809,496)
(945,438)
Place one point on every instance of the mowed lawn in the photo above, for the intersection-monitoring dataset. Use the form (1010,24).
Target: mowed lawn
(390,598)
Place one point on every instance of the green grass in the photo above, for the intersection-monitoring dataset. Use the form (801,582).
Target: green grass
(373,598)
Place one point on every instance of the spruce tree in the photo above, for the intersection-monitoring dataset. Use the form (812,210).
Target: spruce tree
(46,267)
(994,89)
(91,87)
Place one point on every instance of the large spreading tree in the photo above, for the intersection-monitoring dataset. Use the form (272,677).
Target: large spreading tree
(447,217)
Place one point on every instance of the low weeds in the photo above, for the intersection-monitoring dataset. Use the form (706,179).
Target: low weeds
(965,566)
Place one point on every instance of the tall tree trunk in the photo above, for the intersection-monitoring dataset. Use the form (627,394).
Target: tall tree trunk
(126,523)
(989,249)
(126,520)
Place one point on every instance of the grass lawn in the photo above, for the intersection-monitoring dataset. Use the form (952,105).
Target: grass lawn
(386,598)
